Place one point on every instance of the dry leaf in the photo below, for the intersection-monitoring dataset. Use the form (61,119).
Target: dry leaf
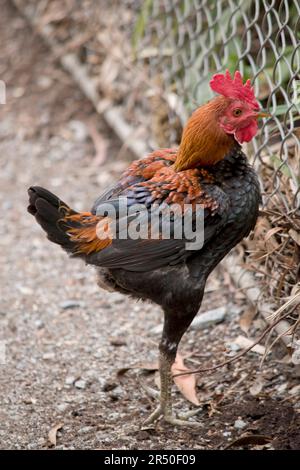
(295,390)
(185,383)
(285,360)
(53,433)
(272,232)
(115,341)
(295,236)
(247,318)
(256,387)
(250,439)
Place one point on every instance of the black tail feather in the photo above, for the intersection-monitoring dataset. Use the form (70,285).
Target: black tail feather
(49,211)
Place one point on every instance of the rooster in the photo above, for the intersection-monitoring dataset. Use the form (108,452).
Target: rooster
(208,172)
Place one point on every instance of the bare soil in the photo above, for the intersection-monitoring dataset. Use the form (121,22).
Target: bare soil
(65,338)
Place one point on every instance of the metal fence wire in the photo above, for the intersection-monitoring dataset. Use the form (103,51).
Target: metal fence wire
(186,41)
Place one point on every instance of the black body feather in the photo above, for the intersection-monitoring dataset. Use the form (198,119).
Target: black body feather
(163,271)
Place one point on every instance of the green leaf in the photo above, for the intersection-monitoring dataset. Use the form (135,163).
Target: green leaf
(280,164)
(141,22)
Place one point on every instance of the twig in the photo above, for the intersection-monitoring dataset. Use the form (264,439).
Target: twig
(244,279)
(237,356)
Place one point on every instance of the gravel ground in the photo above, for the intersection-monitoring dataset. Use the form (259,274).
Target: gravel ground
(65,339)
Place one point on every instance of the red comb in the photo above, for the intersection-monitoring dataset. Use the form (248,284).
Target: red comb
(234,87)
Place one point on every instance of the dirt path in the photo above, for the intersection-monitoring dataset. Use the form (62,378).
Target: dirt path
(66,339)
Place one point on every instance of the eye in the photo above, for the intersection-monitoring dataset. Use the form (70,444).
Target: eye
(237,112)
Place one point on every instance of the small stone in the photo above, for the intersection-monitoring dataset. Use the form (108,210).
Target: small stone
(233,347)
(240,424)
(80,384)
(113,415)
(49,356)
(62,407)
(106,305)
(109,386)
(116,393)
(6,205)
(71,304)
(56,182)
(211,317)
(18,92)
(39,324)
(282,387)
(79,130)
(114,341)
(156,330)
(204,320)
(44,82)
(25,290)
(101,381)
(30,401)
(85,429)
(70,380)
(32,445)
(227,433)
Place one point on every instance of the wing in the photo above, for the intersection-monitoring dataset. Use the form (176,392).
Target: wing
(139,171)
(152,184)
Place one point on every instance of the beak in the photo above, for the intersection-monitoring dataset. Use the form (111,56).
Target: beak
(262,114)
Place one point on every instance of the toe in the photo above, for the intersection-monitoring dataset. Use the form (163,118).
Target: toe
(154,416)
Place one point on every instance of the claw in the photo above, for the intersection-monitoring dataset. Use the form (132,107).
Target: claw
(154,416)
(164,410)
(189,414)
(151,392)
(181,420)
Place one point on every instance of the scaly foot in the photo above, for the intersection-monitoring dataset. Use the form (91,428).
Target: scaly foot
(164,410)
(169,417)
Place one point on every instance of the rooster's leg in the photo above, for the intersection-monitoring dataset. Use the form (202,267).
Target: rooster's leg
(165,407)
(168,348)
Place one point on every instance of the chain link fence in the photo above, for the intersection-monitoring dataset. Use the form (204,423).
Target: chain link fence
(154,61)
(184,42)
(189,40)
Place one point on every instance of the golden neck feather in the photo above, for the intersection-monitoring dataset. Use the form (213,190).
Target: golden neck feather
(203,141)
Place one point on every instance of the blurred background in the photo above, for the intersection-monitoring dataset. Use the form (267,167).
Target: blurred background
(90,86)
